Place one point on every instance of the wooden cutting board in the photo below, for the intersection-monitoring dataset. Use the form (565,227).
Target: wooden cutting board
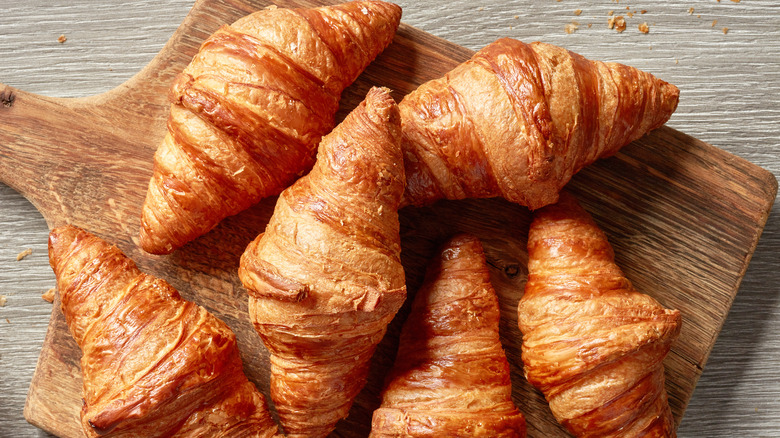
(683,216)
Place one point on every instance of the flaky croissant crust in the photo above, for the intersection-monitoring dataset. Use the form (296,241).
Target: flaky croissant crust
(153,364)
(591,343)
(518,120)
(249,110)
(325,278)
(451,376)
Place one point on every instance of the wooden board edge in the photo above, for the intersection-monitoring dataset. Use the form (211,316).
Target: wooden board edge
(763,218)
(32,400)
(770,182)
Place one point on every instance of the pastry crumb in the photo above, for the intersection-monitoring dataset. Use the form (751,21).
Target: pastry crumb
(644,28)
(590,25)
(643,11)
(630,14)
(618,23)
(735,1)
(571,27)
(3,300)
(610,13)
(714,22)
(48,295)
(725,30)
(23,254)
(516,17)
(578,12)
(62,39)
(690,11)
(676,61)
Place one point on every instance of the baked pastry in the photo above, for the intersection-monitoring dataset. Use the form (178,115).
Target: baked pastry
(519,120)
(154,365)
(451,377)
(249,110)
(325,278)
(591,343)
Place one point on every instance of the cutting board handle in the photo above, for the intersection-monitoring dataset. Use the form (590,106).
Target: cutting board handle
(52,148)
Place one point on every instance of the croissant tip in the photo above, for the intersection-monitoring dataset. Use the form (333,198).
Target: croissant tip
(671,96)
(380,97)
(151,245)
(61,238)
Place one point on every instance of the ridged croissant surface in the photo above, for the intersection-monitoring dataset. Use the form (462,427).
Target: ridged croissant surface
(325,278)
(248,112)
(591,343)
(154,365)
(519,120)
(451,377)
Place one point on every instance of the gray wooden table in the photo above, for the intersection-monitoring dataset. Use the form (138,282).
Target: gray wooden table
(723,55)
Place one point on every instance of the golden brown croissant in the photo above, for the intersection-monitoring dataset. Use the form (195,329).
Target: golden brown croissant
(451,377)
(248,112)
(591,343)
(154,365)
(325,278)
(519,120)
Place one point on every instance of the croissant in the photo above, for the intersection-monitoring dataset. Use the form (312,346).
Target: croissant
(591,343)
(154,365)
(519,120)
(249,110)
(451,377)
(325,278)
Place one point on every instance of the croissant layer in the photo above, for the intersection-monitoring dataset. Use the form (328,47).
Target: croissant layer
(451,377)
(591,343)
(519,120)
(325,278)
(154,365)
(249,110)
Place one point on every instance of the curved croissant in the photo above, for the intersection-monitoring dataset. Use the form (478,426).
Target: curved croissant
(154,365)
(325,278)
(519,120)
(591,343)
(451,377)
(249,110)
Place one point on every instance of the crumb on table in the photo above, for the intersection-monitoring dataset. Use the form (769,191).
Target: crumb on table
(48,295)
(3,300)
(62,39)
(23,254)
(618,23)
(644,28)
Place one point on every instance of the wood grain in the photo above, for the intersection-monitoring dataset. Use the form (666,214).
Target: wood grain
(688,211)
